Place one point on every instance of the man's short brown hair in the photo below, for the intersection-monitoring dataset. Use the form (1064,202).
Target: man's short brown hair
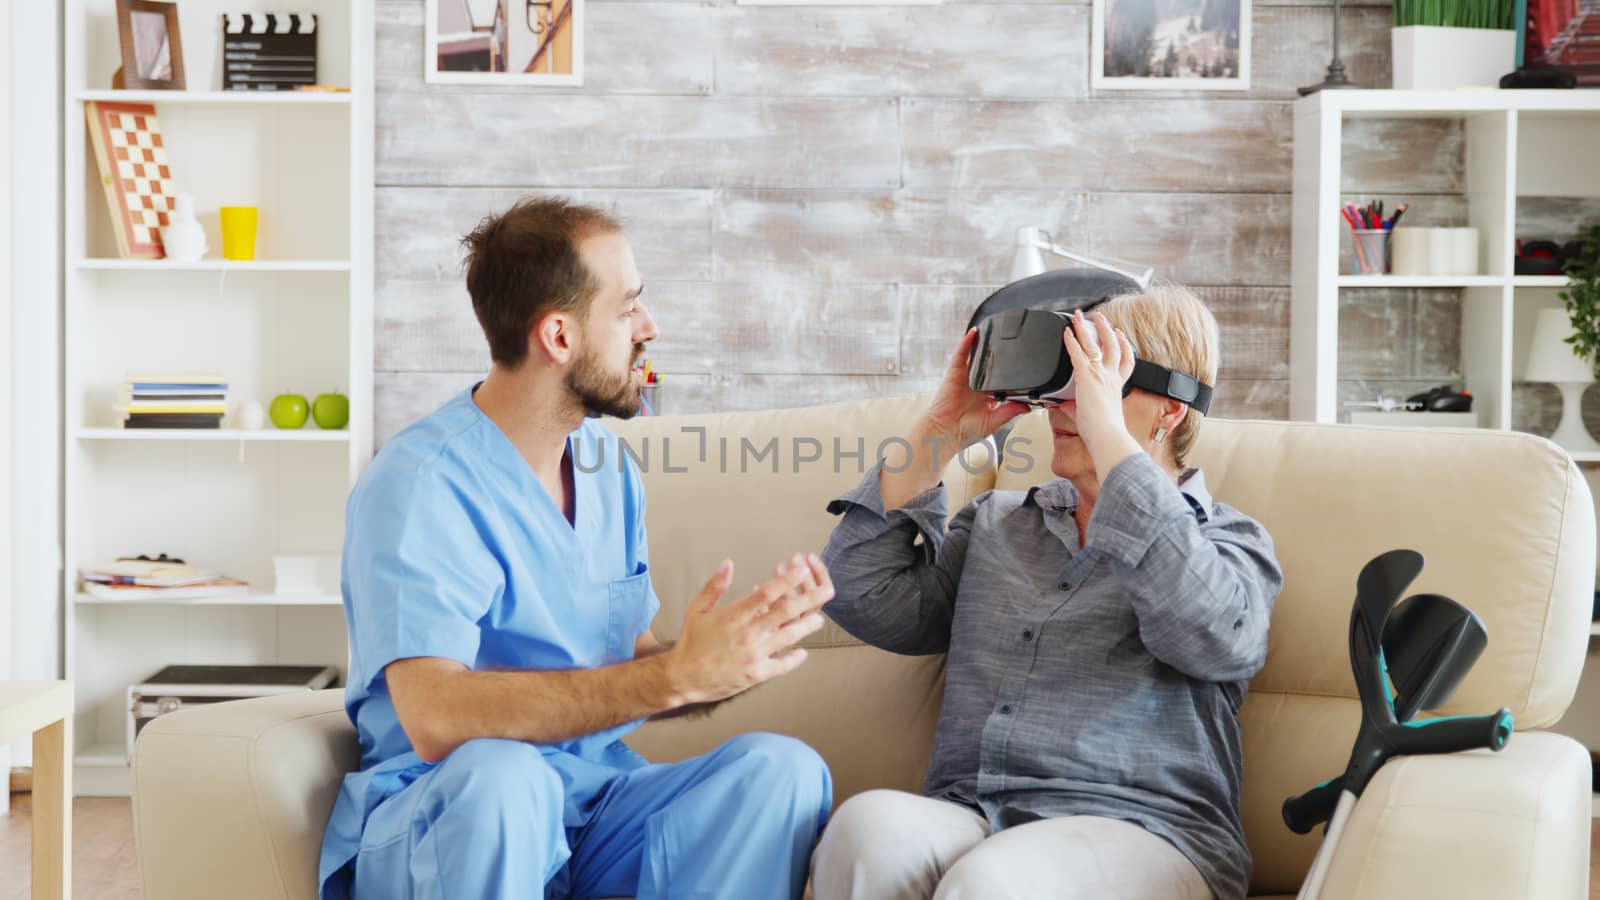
(523,263)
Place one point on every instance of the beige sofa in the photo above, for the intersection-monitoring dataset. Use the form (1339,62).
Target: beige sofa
(231,800)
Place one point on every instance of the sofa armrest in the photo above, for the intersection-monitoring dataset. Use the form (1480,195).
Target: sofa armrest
(231,799)
(1469,825)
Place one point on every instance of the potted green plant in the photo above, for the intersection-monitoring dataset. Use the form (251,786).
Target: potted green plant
(1582,297)
(1443,44)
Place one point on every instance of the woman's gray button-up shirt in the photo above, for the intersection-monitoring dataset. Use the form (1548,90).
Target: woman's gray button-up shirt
(1102,681)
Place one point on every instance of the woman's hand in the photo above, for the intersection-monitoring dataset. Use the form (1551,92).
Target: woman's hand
(959,415)
(1102,361)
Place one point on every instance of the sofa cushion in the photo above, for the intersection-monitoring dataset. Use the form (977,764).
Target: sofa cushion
(870,714)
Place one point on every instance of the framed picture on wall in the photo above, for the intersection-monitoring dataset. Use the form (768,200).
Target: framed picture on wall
(1562,34)
(152,53)
(1168,45)
(534,42)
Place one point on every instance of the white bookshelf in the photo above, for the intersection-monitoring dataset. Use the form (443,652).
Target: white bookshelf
(296,319)
(308,435)
(102,756)
(1539,281)
(219,98)
(252,599)
(1518,144)
(1450,281)
(213,265)
(1421,281)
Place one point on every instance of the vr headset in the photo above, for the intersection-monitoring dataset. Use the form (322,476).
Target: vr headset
(1019,356)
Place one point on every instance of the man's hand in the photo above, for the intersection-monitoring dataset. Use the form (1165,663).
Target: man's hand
(441,703)
(728,649)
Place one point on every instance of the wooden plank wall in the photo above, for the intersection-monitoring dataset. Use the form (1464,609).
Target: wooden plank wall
(819,196)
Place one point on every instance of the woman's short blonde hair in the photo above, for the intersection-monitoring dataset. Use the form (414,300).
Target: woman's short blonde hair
(1168,325)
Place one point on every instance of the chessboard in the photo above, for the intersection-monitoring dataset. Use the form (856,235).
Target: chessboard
(136,175)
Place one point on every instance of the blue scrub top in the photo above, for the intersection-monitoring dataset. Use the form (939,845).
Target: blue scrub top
(454,549)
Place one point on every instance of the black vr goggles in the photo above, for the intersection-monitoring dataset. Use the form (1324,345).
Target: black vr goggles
(1020,357)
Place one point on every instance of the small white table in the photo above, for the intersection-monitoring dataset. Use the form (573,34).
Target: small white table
(44,710)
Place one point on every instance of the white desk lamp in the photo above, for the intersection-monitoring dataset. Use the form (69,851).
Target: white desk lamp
(1551,359)
(1032,242)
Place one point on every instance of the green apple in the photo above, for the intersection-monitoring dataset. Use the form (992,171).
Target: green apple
(331,411)
(289,410)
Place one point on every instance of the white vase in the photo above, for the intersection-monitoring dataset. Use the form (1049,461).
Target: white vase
(184,239)
(1428,57)
(252,416)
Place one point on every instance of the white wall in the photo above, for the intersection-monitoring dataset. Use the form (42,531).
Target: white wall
(6,131)
(30,387)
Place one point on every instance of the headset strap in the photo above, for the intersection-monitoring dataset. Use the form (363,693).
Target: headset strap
(1158,379)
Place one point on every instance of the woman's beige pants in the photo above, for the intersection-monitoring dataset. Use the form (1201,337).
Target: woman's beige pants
(891,845)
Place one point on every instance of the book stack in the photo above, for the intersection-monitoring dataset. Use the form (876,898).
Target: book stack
(143,578)
(174,400)
(268,51)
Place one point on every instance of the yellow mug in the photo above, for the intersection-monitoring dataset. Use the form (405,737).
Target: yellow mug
(239,232)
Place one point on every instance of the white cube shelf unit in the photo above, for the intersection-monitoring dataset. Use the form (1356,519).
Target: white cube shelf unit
(297,319)
(1536,143)
(1519,144)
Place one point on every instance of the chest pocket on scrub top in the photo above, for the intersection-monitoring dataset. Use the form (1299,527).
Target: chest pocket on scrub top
(630,613)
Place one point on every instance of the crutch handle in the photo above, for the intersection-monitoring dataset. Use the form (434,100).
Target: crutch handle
(1454,733)
(1312,808)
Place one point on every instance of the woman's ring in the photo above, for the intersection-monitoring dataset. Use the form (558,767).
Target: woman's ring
(1095,358)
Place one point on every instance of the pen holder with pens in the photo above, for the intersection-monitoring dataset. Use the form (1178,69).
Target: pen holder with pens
(1369,252)
(1369,237)
(649,388)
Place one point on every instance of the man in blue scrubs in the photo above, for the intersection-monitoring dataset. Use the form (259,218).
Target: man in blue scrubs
(499,604)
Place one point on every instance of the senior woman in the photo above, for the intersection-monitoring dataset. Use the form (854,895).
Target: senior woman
(1101,629)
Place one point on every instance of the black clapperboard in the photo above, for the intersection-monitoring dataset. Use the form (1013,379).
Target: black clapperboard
(268,51)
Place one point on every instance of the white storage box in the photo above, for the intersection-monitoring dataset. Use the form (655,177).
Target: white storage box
(307,573)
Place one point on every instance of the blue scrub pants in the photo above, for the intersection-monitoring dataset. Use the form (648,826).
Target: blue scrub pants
(494,820)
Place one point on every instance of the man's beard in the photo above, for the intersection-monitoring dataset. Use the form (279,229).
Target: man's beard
(603,393)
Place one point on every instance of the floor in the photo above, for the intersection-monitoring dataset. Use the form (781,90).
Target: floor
(103,866)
